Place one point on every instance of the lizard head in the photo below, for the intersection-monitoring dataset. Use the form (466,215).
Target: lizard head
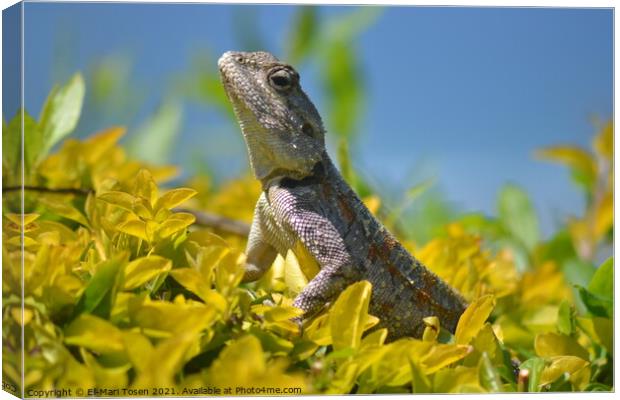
(282,129)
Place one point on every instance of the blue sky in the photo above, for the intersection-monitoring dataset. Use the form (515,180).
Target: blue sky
(463,95)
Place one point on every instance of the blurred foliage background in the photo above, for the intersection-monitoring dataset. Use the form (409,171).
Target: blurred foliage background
(396,84)
(108,250)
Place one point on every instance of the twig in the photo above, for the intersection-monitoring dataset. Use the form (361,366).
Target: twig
(206,219)
(76,191)
(218,222)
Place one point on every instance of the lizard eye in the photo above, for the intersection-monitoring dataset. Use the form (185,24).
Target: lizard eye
(281,79)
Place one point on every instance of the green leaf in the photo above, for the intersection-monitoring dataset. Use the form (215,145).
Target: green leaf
(411,195)
(348,172)
(60,113)
(100,293)
(342,84)
(11,142)
(566,319)
(345,28)
(154,140)
(598,387)
(489,377)
(272,343)
(517,214)
(304,33)
(602,283)
(142,270)
(596,305)
(11,139)
(559,248)
(578,272)
(534,366)
(598,297)
(203,84)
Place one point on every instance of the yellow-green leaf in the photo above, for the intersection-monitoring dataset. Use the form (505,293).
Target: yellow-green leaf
(553,344)
(164,318)
(319,330)
(431,329)
(349,314)
(175,223)
(174,197)
(420,383)
(375,338)
(604,142)
(144,269)
(442,355)
(113,378)
(244,356)
(17,220)
(294,277)
(119,199)
(61,112)
(134,228)
(95,334)
(64,209)
(98,144)
(579,160)
(193,281)
(473,318)
(577,368)
(168,356)
(281,313)
(145,186)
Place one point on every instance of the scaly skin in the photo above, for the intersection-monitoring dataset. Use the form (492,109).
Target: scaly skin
(305,199)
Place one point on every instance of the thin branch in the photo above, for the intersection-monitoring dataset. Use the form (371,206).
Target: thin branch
(205,219)
(76,191)
(218,222)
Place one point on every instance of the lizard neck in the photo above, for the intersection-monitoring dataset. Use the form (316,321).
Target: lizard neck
(321,172)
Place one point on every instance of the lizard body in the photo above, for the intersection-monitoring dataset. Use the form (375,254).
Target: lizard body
(305,199)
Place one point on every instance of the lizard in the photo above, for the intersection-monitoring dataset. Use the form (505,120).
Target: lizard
(305,200)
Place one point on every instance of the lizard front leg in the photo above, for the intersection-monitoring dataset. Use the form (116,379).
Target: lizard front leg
(322,289)
(260,254)
(323,242)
